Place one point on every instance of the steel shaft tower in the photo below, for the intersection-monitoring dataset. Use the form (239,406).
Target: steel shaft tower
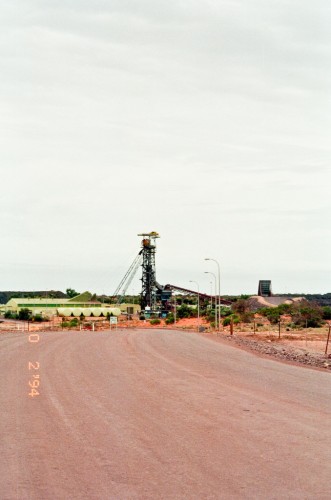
(149,285)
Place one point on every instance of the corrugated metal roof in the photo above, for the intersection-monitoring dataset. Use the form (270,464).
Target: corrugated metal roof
(38,301)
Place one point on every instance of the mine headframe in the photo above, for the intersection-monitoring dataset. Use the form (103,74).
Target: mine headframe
(149,291)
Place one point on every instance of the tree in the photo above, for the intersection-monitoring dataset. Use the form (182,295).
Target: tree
(184,311)
(170,319)
(71,292)
(272,313)
(310,315)
(241,306)
(327,312)
(24,314)
(11,315)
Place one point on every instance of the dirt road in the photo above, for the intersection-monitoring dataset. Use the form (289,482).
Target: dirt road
(159,415)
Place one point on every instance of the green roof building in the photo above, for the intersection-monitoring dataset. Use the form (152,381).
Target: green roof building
(81,305)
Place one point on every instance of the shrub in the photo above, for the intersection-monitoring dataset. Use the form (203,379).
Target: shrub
(234,318)
(310,315)
(170,319)
(327,312)
(11,315)
(155,321)
(38,318)
(210,316)
(246,317)
(24,314)
(184,311)
(240,306)
(225,311)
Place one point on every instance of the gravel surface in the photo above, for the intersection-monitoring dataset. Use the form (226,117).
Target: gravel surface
(282,351)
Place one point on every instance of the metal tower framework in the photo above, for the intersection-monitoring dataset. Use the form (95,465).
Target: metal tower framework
(121,290)
(149,284)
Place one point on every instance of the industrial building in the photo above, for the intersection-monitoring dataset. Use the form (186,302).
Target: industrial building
(76,306)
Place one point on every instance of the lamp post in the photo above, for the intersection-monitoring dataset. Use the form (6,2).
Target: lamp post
(192,281)
(219,291)
(208,272)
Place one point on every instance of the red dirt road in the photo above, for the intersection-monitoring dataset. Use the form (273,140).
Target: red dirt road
(159,415)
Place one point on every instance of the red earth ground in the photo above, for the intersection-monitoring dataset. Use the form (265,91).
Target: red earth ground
(158,414)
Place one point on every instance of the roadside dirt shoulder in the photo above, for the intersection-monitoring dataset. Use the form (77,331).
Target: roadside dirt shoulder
(279,350)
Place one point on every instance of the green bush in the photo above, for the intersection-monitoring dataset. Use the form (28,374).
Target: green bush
(303,313)
(70,324)
(24,314)
(225,311)
(210,316)
(184,311)
(11,315)
(155,321)
(234,318)
(38,318)
(327,312)
(310,316)
(170,319)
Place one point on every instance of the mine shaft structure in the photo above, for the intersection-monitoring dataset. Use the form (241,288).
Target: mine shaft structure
(155,299)
(149,287)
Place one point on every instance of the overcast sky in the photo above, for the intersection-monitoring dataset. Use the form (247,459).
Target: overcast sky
(207,121)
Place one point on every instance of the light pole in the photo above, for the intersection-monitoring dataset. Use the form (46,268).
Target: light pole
(191,281)
(208,272)
(219,291)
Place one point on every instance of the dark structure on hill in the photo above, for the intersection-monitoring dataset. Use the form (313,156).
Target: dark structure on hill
(264,289)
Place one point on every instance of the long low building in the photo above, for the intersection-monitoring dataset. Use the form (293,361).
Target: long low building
(76,306)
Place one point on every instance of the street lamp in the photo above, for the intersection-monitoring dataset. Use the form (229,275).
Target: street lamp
(192,281)
(219,291)
(208,272)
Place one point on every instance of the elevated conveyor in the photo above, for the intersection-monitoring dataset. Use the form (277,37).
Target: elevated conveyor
(194,292)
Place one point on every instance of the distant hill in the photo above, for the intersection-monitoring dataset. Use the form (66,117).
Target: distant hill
(318,298)
(48,294)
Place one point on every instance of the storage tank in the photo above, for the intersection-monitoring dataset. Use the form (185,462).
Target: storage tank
(96,311)
(64,311)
